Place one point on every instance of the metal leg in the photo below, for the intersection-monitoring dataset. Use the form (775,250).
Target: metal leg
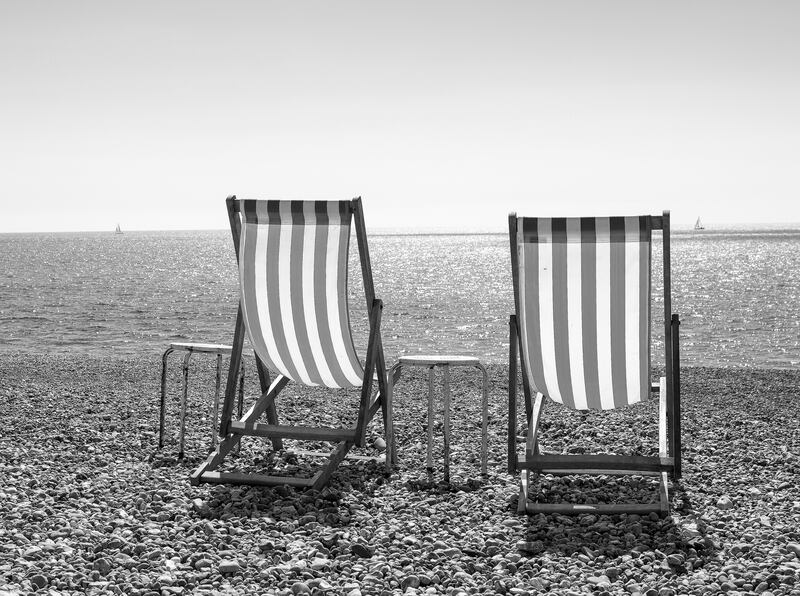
(183,401)
(391,449)
(163,397)
(446,424)
(429,460)
(485,422)
(240,402)
(215,405)
(241,392)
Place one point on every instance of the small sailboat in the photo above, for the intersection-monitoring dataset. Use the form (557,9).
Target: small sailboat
(698,225)
(118,230)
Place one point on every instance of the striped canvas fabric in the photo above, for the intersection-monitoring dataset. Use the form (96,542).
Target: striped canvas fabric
(293,283)
(584,308)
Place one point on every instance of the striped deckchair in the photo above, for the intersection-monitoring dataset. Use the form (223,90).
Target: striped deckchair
(293,306)
(582,294)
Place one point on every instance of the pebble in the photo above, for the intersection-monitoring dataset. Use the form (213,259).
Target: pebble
(724,503)
(96,529)
(102,566)
(362,550)
(533,547)
(300,588)
(201,564)
(600,580)
(229,566)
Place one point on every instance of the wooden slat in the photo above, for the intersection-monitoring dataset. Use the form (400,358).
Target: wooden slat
(373,345)
(524,486)
(350,456)
(663,444)
(668,354)
(374,407)
(634,463)
(206,348)
(605,508)
(663,494)
(322,477)
(512,394)
(676,395)
(662,418)
(301,433)
(598,472)
(271,410)
(363,250)
(426,360)
(532,443)
(256,479)
(239,331)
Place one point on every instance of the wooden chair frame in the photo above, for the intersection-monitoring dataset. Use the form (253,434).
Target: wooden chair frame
(533,463)
(232,431)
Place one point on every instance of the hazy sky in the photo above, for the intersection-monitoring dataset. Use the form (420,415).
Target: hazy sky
(447,114)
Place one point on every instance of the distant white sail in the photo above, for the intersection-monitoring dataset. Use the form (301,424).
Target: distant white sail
(118,230)
(698,225)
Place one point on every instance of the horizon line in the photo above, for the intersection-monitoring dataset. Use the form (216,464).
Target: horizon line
(414,231)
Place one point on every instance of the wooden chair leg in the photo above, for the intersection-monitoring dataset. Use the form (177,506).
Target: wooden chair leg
(522,500)
(512,395)
(663,443)
(232,440)
(676,396)
(338,455)
(272,409)
(663,494)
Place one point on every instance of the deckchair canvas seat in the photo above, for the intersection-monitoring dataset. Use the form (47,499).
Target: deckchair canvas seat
(582,290)
(292,258)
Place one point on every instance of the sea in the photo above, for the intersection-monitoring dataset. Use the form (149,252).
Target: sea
(736,289)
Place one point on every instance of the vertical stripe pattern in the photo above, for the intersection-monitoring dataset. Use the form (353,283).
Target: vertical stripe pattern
(293,285)
(584,286)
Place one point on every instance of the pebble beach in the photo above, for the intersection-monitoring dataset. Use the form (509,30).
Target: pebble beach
(89,506)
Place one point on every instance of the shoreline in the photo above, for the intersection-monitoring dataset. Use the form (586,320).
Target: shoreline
(87,506)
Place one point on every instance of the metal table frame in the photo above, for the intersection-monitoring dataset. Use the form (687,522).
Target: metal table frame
(191,348)
(445,362)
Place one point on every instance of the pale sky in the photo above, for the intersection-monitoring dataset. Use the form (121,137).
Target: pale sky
(439,114)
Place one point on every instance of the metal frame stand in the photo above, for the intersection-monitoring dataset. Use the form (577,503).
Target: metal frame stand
(191,348)
(445,362)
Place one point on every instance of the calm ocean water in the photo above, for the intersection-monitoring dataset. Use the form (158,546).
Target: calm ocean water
(737,292)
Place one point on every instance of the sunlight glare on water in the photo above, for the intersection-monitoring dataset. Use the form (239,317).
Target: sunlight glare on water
(736,291)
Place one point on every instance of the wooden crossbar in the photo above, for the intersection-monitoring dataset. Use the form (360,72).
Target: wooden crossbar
(602,508)
(257,479)
(597,472)
(631,463)
(301,433)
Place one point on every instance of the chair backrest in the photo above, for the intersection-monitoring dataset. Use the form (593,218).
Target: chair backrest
(582,294)
(293,258)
